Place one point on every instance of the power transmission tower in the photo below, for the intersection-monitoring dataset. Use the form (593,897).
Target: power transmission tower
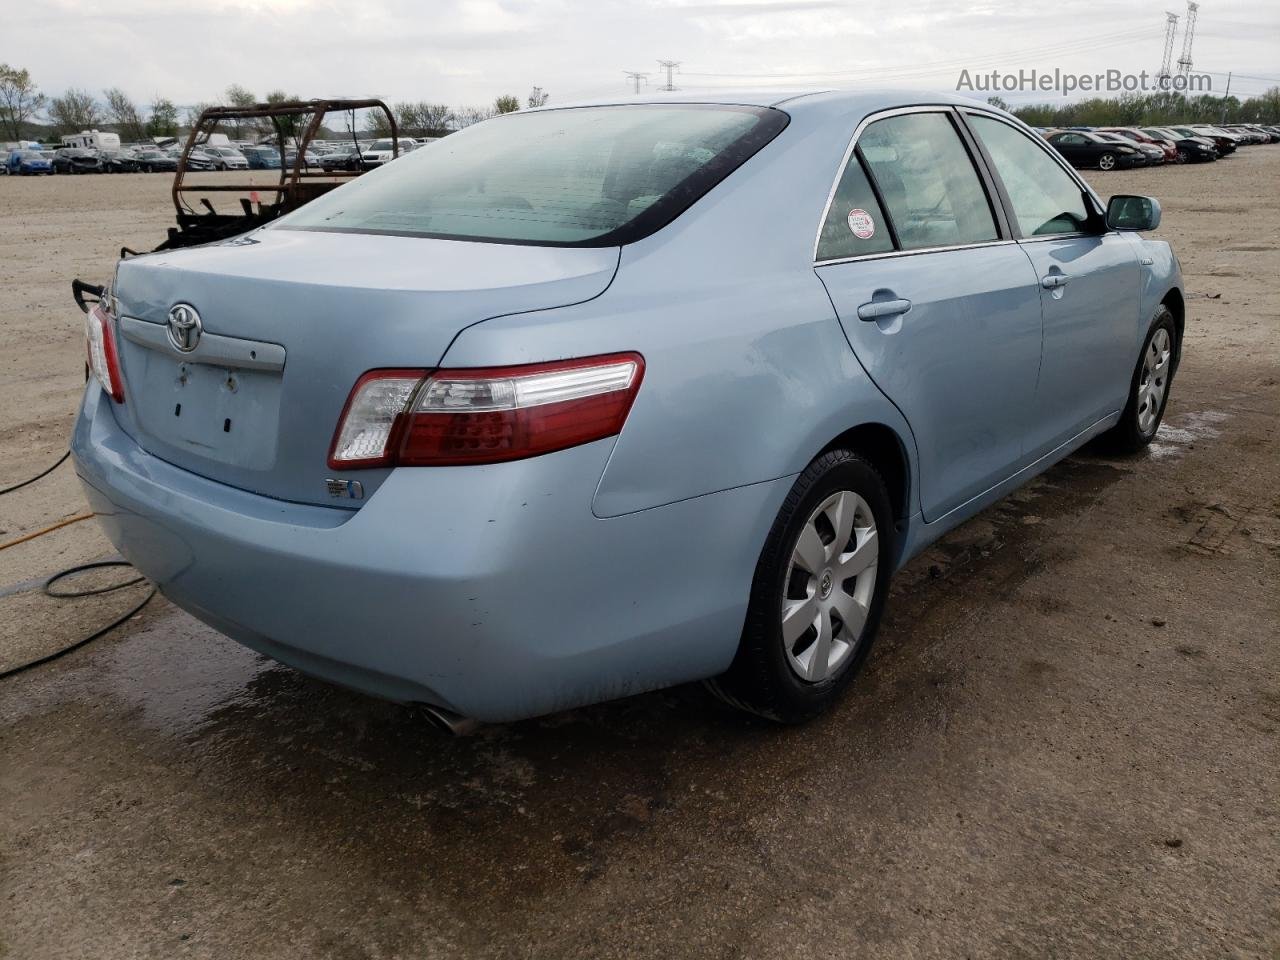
(670,66)
(635,78)
(1166,62)
(1184,61)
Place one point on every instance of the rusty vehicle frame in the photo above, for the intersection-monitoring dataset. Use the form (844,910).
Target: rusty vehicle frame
(298,182)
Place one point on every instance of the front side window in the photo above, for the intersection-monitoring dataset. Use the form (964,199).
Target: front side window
(1046,199)
(588,176)
(927,181)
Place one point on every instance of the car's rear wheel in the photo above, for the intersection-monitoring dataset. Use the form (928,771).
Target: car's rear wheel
(817,595)
(1149,388)
(1107,161)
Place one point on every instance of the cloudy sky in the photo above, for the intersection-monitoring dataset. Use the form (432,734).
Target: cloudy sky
(468,51)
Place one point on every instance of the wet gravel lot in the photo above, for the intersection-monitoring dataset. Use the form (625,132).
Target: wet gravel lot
(1065,743)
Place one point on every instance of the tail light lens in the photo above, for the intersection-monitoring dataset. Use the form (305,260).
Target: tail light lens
(456,417)
(104,360)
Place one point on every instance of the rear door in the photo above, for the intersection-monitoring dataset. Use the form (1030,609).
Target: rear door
(1090,284)
(940,306)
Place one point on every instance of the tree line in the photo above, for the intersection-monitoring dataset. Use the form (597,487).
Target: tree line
(1149,110)
(26,111)
(424,119)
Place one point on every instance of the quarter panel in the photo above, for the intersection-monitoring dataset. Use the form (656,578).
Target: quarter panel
(743,383)
(747,372)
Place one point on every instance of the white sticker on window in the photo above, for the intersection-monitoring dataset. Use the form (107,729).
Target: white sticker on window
(861,224)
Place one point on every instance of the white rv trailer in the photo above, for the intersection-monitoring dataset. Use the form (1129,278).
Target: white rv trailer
(93,140)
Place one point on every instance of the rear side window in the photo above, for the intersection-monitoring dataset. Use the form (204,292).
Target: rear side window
(588,176)
(1046,199)
(855,224)
(928,182)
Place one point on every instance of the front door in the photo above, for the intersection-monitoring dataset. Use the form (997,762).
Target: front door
(1090,286)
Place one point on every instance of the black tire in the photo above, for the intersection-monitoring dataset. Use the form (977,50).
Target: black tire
(1182,156)
(761,679)
(1135,430)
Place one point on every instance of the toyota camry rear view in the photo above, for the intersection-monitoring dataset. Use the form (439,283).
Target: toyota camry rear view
(586,401)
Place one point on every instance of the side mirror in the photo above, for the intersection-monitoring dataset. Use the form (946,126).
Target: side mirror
(1126,212)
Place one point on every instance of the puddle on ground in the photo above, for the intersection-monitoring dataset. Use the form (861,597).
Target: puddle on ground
(177,672)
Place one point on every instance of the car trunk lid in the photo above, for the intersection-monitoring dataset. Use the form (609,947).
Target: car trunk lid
(288,320)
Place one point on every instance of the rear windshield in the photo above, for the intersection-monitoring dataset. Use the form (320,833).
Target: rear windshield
(589,176)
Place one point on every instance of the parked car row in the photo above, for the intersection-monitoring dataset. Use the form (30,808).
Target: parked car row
(329,155)
(235,155)
(1122,148)
(76,160)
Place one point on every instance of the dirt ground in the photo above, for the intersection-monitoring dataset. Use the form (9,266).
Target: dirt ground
(1065,745)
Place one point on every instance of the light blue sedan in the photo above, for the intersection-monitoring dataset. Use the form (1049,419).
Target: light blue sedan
(592,400)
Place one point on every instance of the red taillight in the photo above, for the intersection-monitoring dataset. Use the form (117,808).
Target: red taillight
(104,361)
(455,417)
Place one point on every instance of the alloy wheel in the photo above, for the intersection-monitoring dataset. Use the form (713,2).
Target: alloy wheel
(829,586)
(1106,162)
(1154,382)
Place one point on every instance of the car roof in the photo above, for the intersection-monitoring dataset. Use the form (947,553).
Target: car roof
(795,99)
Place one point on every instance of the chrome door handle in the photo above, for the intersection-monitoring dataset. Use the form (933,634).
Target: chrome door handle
(883,308)
(1054,280)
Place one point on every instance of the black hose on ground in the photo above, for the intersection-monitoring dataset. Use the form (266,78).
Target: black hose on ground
(48,590)
(63,595)
(79,290)
(39,476)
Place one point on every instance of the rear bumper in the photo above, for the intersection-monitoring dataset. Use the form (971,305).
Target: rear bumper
(491,591)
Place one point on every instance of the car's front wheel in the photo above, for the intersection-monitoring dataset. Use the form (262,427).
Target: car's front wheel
(1107,161)
(1149,388)
(818,591)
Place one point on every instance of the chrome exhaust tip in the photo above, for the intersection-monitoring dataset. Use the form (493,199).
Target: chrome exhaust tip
(451,723)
